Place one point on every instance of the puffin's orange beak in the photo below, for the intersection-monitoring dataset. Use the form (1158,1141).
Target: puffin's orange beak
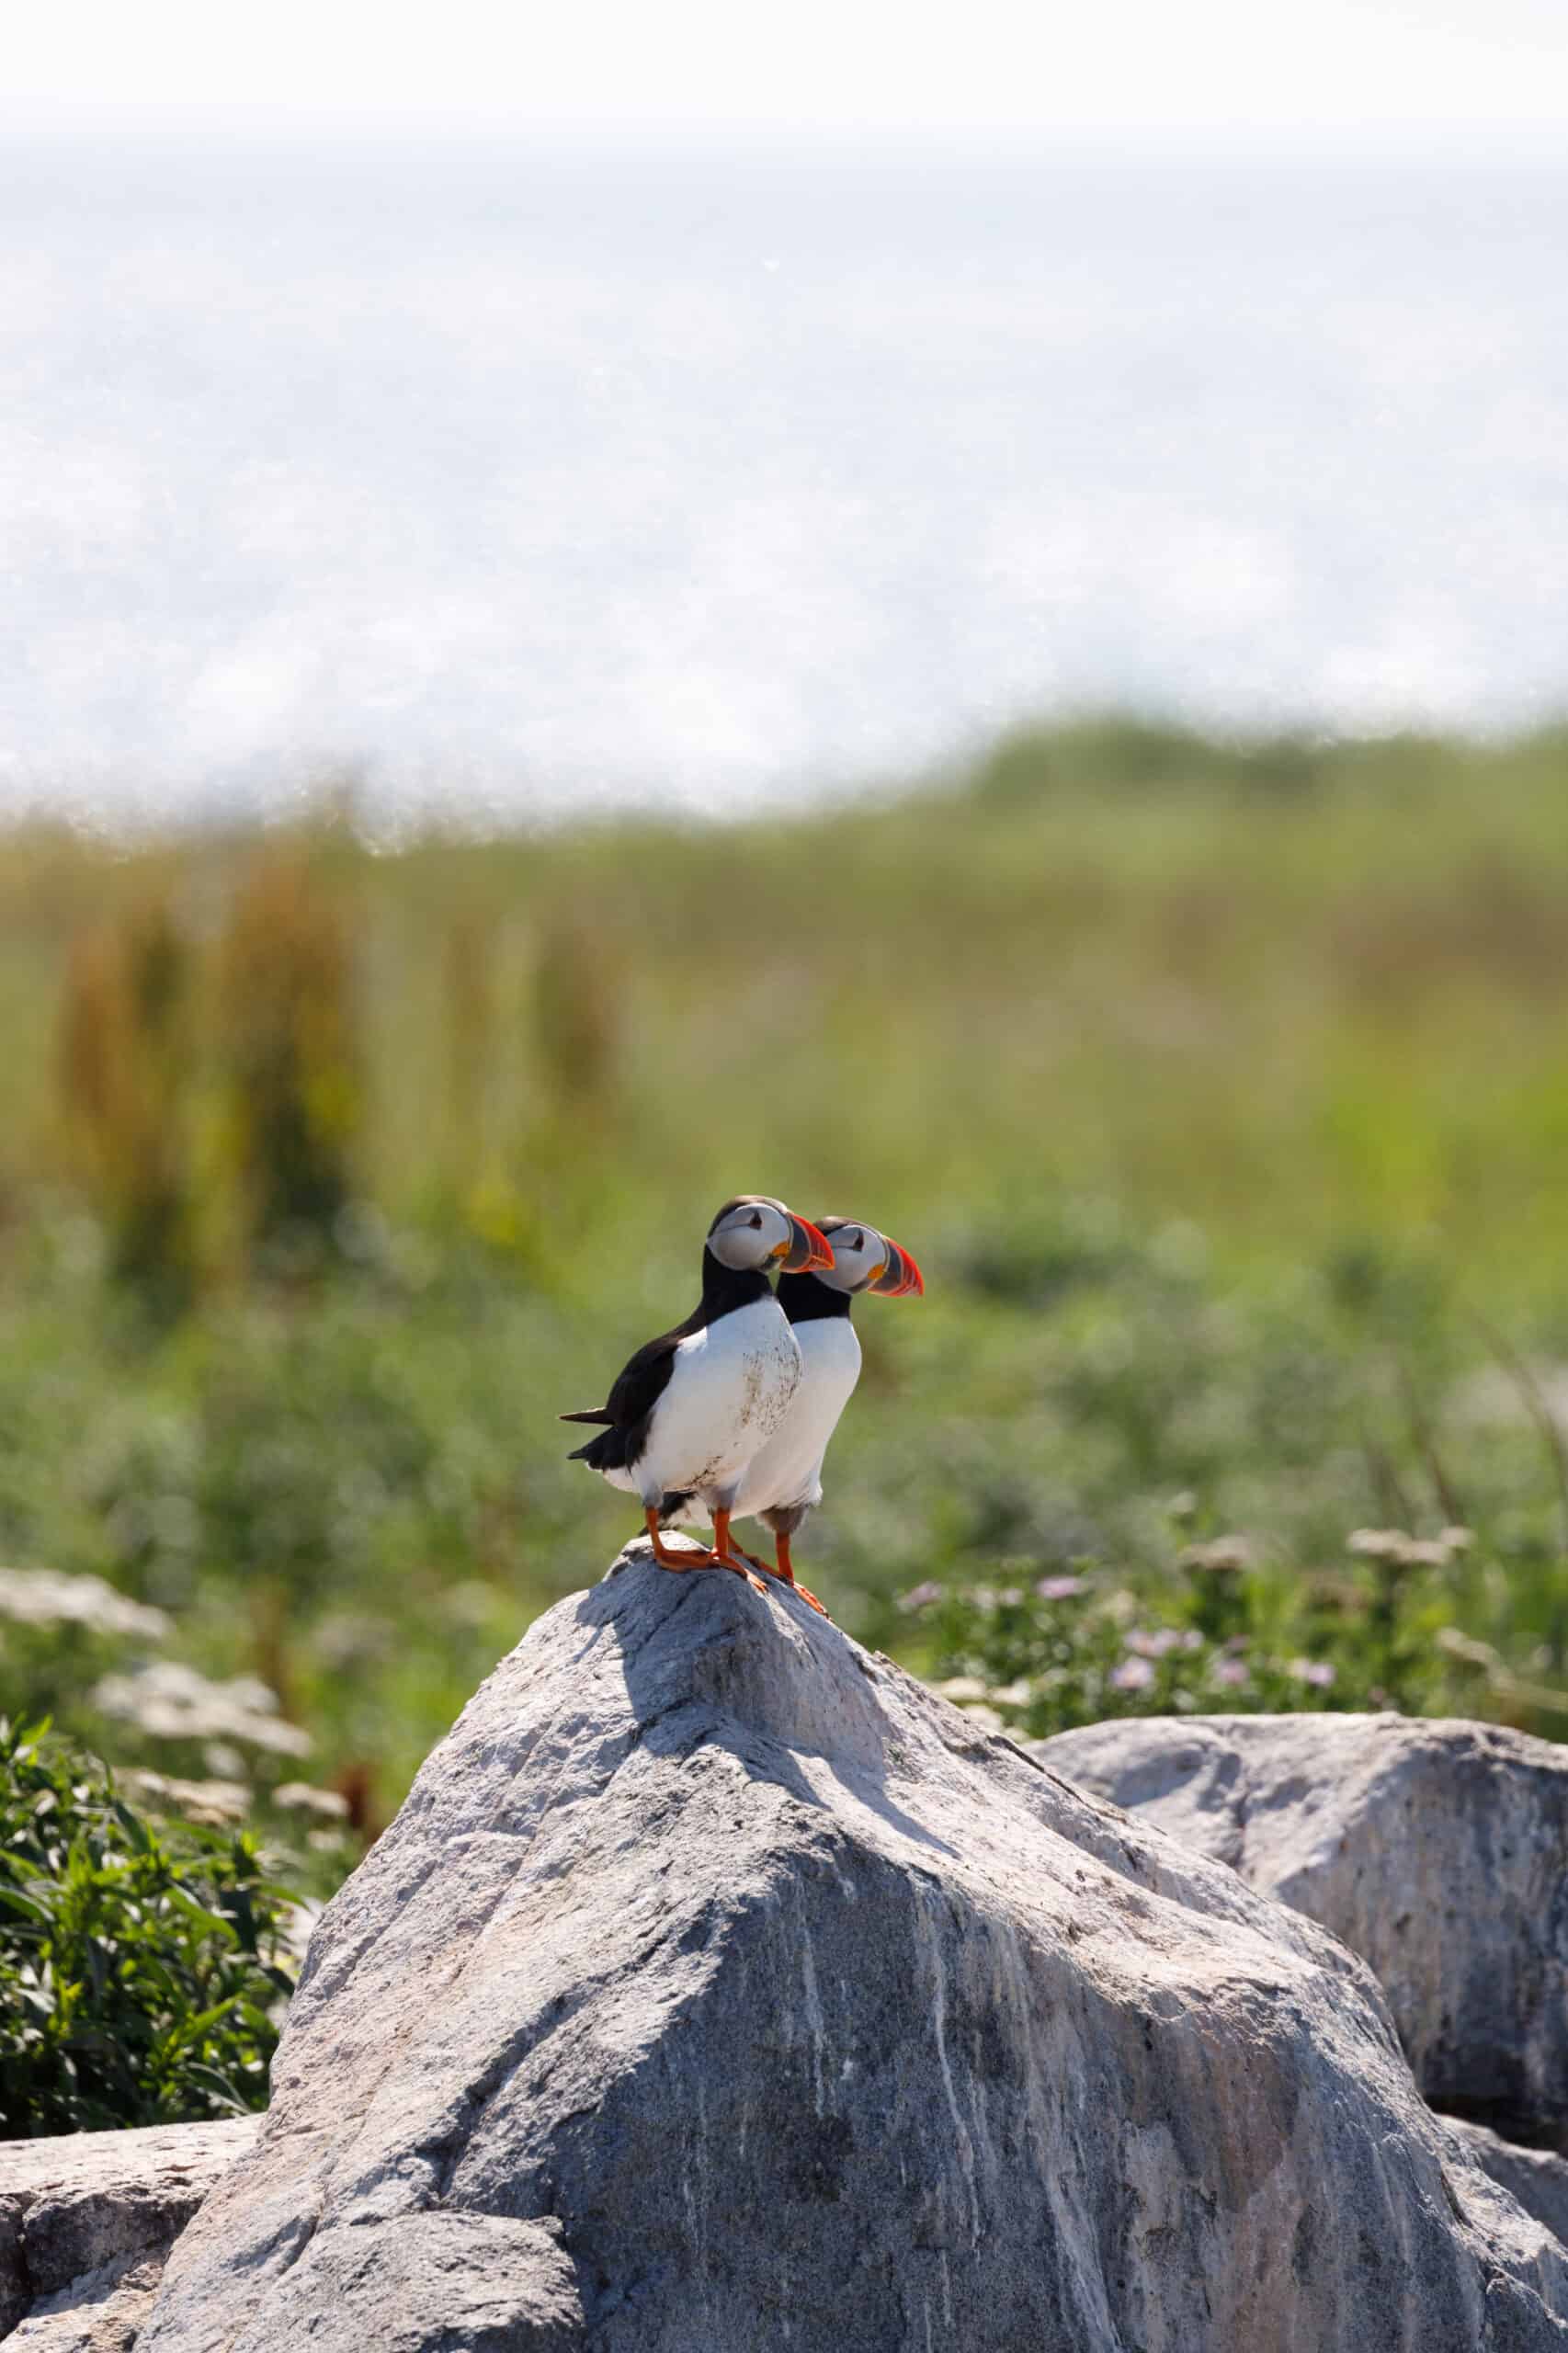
(807,1250)
(900,1277)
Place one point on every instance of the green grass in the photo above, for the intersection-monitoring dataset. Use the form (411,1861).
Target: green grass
(1222,1093)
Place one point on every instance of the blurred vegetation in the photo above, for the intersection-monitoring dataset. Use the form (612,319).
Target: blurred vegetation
(138,1959)
(1221,1090)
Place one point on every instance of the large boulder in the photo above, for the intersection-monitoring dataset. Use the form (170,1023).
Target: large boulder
(719,1987)
(87,2220)
(1438,1851)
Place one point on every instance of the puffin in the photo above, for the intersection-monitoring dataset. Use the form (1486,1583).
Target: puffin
(783,1480)
(690,1409)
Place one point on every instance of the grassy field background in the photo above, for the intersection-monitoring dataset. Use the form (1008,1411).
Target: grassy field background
(1222,1093)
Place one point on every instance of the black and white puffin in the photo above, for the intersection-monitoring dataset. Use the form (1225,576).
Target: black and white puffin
(783,1480)
(689,1410)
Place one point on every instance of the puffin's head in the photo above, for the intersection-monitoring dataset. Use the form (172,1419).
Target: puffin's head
(754,1229)
(864,1259)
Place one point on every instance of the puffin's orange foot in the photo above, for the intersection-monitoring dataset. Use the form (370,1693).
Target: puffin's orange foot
(688,1557)
(769,1572)
(728,1554)
(785,1572)
(684,1559)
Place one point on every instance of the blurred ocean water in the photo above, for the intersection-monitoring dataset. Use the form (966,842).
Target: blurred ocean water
(511,479)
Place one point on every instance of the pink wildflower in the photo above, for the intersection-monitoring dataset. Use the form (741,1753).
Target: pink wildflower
(919,1597)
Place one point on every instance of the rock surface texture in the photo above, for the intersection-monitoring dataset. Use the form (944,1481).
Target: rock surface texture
(1438,1851)
(719,1989)
(1537,2179)
(87,2221)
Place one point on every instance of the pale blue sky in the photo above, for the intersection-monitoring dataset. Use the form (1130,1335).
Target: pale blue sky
(1343,66)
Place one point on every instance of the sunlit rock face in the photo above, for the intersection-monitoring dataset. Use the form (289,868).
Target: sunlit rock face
(87,2221)
(1436,1850)
(719,1987)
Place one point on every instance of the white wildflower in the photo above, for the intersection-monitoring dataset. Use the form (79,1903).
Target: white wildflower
(169,1701)
(215,1804)
(50,1598)
(1405,1550)
(1425,1552)
(307,1798)
(1223,1556)
(1378,1543)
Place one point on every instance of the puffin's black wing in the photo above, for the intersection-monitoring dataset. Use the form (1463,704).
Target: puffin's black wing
(639,1386)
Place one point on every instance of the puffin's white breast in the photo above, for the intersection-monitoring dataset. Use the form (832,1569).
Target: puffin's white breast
(727,1392)
(788,1469)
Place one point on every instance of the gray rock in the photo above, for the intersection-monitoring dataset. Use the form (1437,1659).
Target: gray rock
(720,1989)
(90,2214)
(101,2312)
(1537,2179)
(1438,1851)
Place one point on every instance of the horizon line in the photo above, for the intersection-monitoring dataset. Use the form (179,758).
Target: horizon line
(1222,137)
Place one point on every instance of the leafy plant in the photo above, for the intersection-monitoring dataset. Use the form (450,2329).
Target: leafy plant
(141,1962)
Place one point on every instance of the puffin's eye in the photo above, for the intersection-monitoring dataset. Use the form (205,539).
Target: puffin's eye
(755,1218)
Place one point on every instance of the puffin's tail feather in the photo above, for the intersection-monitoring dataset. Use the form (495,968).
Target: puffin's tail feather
(600,1414)
(605,1452)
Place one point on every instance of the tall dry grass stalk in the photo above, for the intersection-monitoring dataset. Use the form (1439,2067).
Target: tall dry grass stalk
(288,1056)
(579,988)
(125,1061)
(469,979)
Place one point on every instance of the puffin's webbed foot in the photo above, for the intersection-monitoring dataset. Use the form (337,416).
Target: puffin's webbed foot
(783,1576)
(807,1595)
(687,1558)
